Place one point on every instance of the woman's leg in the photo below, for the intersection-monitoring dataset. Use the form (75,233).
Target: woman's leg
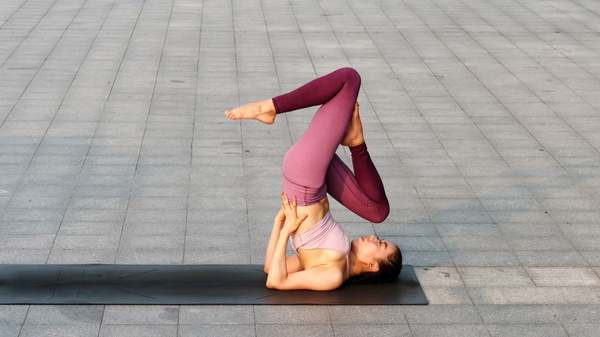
(307,161)
(361,192)
(312,160)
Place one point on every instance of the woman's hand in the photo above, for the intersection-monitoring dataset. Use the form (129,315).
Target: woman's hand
(292,220)
(280,218)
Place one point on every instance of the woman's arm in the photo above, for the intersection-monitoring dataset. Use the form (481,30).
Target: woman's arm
(322,278)
(277,225)
(292,262)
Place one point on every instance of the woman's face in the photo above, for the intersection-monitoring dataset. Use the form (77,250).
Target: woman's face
(370,248)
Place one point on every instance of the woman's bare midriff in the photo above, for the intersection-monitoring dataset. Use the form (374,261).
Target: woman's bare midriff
(315,212)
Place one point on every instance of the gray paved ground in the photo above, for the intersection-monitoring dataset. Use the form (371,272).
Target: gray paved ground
(482,115)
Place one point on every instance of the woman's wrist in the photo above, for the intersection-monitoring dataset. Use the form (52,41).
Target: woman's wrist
(286,231)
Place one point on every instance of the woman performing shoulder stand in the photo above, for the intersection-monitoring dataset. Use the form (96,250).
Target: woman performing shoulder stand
(325,258)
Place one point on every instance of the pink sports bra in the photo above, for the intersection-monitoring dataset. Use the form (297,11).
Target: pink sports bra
(325,234)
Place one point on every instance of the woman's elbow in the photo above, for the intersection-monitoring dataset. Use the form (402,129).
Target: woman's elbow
(272,285)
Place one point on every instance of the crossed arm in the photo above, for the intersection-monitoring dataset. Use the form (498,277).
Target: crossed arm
(288,273)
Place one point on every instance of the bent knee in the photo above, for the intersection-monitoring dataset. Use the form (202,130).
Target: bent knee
(350,74)
(382,213)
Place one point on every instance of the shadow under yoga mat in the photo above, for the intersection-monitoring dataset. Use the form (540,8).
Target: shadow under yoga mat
(183,284)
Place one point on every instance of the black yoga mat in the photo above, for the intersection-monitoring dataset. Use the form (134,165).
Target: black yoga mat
(183,284)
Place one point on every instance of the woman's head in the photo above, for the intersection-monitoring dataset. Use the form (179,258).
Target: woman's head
(381,260)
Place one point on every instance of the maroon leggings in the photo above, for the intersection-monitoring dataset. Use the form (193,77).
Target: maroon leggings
(311,169)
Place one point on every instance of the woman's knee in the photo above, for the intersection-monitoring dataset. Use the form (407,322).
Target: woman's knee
(350,75)
(381,213)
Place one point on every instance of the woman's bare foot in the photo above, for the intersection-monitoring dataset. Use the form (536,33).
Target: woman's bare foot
(263,111)
(354,135)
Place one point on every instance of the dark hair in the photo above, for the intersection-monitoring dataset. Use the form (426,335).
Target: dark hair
(389,269)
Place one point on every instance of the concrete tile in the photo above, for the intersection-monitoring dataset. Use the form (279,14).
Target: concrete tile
(82,256)
(20,255)
(542,258)
(581,329)
(391,229)
(54,330)
(377,330)
(94,215)
(526,330)
(291,329)
(556,243)
(530,230)
(139,330)
(442,314)
(360,315)
(156,255)
(495,277)
(292,315)
(215,315)
(10,330)
(29,227)
(577,313)
(40,315)
(74,228)
(238,256)
(477,243)
(13,315)
(233,330)
(490,258)
(563,277)
(516,314)
(532,295)
(477,229)
(592,257)
(81,242)
(43,241)
(449,330)
(447,295)
(143,315)
(439,276)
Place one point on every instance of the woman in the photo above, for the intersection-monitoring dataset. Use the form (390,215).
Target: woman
(325,258)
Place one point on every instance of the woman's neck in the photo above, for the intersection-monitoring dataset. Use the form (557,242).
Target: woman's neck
(356,267)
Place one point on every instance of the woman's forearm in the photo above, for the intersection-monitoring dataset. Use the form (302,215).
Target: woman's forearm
(277,224)
(278,268)
(278,274)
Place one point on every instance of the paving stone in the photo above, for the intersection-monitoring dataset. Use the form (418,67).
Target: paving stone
(442,314)
(527,330)
(449,330)
(13,315)
(51,330)
(377,330)
(64,315)
(215,315)
(138,330)
(143,315)
(292,315)
(359,315)
(516,314)
(236,330)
